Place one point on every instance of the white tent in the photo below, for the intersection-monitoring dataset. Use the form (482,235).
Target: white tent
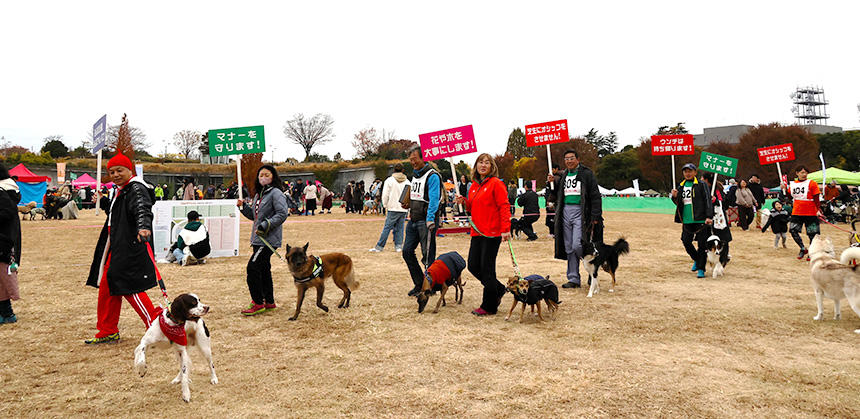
(628,191)
(604,191)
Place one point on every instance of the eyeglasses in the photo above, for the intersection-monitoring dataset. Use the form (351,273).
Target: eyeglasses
(569,158)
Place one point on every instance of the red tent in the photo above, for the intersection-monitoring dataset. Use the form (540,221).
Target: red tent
(25,175)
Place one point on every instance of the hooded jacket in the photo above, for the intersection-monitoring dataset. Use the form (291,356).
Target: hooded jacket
(488,204)
(269,204)
(132,267)
(392,189)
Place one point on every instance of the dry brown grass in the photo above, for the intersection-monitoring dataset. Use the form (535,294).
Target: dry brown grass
(665,344)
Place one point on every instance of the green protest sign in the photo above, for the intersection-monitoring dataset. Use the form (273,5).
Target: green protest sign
(721,165)
(242,140)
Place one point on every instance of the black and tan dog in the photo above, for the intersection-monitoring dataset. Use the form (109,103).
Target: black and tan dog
(311,271)
(532,290)
(444,272)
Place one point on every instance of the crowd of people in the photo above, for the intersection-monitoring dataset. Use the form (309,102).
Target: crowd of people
(123,265)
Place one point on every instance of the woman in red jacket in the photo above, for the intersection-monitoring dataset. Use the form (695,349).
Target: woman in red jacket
(491,223)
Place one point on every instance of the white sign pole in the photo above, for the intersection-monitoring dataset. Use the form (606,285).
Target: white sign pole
(714,184)
(674,181)
(98,181)
(779,171)
(456,183)
(239,173)
(549,166)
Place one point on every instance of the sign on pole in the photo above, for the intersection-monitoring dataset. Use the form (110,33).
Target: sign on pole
(672,145)
(235,141)
(547,133)
(718,165)
(61,173)
(99,134)
(99,140)
(776,154)
(448,143)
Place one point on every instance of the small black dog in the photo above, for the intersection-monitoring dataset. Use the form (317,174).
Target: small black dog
(516,228)
(604,256)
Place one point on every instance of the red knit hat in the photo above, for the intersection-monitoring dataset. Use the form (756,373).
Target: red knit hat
(120,160)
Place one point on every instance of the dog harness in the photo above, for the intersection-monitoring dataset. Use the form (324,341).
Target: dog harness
(175,334)
(316,273)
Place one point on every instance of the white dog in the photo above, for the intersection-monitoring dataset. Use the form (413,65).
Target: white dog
(179,327)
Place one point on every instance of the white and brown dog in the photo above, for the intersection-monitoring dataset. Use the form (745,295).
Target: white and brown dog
(180,327)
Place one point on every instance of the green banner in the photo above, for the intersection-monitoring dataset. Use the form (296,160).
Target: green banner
(242,140)
(715,163)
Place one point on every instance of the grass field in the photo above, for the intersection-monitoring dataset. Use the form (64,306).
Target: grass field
(665,344)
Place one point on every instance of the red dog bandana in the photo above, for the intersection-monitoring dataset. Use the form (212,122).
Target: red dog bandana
(175,334)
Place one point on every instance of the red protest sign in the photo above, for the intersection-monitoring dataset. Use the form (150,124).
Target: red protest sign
(672,145)
(775,154)
(547,133)
(447,143)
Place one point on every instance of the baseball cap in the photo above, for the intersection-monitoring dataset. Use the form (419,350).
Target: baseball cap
(690,166)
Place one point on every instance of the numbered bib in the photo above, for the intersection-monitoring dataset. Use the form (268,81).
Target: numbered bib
(800,190)
(571,186)
(687,195)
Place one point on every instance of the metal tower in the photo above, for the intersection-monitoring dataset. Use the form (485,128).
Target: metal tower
(810,106)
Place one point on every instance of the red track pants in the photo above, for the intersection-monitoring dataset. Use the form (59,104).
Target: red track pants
(109,307)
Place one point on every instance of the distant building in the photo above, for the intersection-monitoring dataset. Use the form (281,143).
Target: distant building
(731,134)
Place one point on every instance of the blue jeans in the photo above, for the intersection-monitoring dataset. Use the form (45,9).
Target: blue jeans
(178,254)
(417,234)
(393,221)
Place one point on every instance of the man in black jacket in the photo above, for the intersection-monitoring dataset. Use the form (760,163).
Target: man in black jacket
(695,211)
(579,214)
(123,263)
(531,211)
(758,193)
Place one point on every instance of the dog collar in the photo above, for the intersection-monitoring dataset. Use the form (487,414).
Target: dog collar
(316,273)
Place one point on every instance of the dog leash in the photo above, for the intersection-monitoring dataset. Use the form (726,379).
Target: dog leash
(275,251)
(510,247)
(158,274)
(837,227)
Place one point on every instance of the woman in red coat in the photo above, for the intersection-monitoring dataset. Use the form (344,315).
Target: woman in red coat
(488,203)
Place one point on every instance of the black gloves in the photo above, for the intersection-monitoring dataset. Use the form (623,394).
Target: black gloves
(263,227)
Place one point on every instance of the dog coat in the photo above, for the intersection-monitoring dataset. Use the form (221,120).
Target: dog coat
(539,288)
(175,334)
(446,267)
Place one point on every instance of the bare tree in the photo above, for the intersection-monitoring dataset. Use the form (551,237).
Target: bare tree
(311,132)
(187,142)
(366,142)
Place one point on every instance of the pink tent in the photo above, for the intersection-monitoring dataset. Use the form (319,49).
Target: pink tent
(84,181)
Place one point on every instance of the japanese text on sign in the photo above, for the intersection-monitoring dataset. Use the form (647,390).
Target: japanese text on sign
(667,145)
(242,140)
(775,154)
(547,133)
(718,164)
(447,143)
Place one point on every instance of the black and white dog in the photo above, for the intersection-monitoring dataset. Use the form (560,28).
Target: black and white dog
(516,227)
(717,256)
(180,327)
(604,256)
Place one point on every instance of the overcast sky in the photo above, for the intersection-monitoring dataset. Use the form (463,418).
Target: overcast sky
(416,67)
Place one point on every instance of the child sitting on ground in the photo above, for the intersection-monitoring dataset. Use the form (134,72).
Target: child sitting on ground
(778,223)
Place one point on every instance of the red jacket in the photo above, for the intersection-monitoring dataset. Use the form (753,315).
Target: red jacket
(488,204)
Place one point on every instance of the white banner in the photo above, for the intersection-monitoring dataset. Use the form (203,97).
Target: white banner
(220,216)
